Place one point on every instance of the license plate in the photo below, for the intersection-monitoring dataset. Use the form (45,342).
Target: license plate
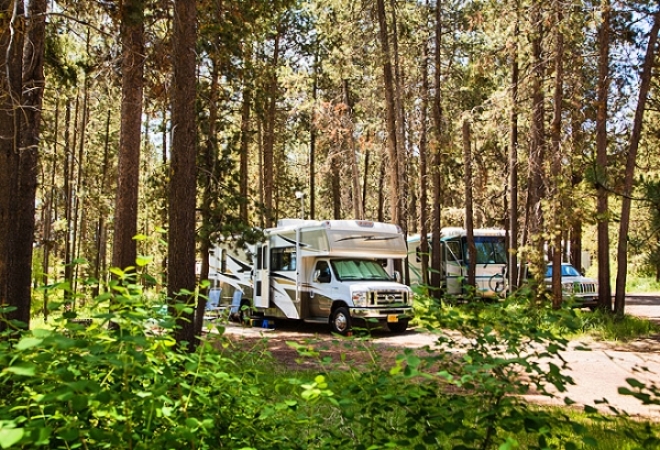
(392,318)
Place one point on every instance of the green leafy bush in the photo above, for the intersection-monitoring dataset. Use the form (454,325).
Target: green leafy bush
(82,384)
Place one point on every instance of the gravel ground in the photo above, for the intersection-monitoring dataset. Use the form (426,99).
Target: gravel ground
(597,372)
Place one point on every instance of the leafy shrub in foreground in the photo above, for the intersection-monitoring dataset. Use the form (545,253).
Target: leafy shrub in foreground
(81,385)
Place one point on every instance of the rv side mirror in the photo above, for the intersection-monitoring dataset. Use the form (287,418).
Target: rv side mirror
(397,276)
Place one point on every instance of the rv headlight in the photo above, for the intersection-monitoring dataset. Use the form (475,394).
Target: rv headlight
(360,298)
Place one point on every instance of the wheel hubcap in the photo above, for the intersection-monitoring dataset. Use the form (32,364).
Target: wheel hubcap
(340,322)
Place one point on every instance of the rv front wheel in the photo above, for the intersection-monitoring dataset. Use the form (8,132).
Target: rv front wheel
(340,321)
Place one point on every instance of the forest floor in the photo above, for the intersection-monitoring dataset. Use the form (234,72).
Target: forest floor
(597,372)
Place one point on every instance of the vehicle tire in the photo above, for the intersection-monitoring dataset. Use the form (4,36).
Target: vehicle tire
(398,327)
(497,284)
(340,321)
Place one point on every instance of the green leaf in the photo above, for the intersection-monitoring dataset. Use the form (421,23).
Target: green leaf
(28,342)
(142,261)
(24,369)
(10,436)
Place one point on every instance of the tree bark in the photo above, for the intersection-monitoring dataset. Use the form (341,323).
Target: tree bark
(126,203)
(631,161)
(11,50)
(513,159)
(536,159)
(269,136)
(391,122)
(182,188)
(423,171)
(353,156)
(557,296)
(436,216)
(469,215)
(602,208)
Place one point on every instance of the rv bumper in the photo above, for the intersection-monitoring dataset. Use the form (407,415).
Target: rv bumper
(391,315)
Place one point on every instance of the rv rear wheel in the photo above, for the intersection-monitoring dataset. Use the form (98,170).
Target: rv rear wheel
(398,327)
(340,321)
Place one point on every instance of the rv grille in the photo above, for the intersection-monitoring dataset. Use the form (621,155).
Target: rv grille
(382,298)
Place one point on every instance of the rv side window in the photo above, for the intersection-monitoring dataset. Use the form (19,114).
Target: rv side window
(283,259)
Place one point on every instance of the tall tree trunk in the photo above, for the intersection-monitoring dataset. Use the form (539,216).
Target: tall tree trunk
(537,148)
(631,161)
(11,50)
(182,188)
(126,203)
(513,280)
(99,262)
(436,253)
(269,135)
(402,154)
(365,180)
(556,162)
(68,202)
(51,213)
(335,183)
(469,215)
(245,149)
(353,156)
(391,112)
(602,208)
(423,170)
(208,179)
(313,132)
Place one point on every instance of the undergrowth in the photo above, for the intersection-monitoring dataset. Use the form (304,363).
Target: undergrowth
(82,384)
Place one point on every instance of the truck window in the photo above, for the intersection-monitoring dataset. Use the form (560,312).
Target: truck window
(322,272)
(359,270)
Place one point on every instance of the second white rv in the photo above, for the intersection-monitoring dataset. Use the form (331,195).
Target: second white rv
(334,272)
(491,259)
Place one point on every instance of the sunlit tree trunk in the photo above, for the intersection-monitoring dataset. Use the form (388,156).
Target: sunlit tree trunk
(631,161)
(269,135)
(423,171)
(390,120)
(536,177)
(556,163)
(353,156)
(602,208)
(514,282)
(469,216)
(436,253)
(126,203)
(244,175)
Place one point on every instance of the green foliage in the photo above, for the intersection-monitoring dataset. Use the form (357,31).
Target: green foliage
(82,385)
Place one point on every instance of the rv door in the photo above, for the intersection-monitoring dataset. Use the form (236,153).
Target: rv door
(262,278)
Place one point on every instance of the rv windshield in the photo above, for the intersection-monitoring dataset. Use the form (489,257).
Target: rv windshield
(358,270)
(490,250)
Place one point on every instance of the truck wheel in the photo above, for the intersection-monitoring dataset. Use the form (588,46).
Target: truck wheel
(398,327)
(340,321)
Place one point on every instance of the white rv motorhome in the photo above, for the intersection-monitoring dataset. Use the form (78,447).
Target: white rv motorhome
(491,260)
(333,272)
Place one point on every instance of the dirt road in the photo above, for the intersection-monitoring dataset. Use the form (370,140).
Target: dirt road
(598,373)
